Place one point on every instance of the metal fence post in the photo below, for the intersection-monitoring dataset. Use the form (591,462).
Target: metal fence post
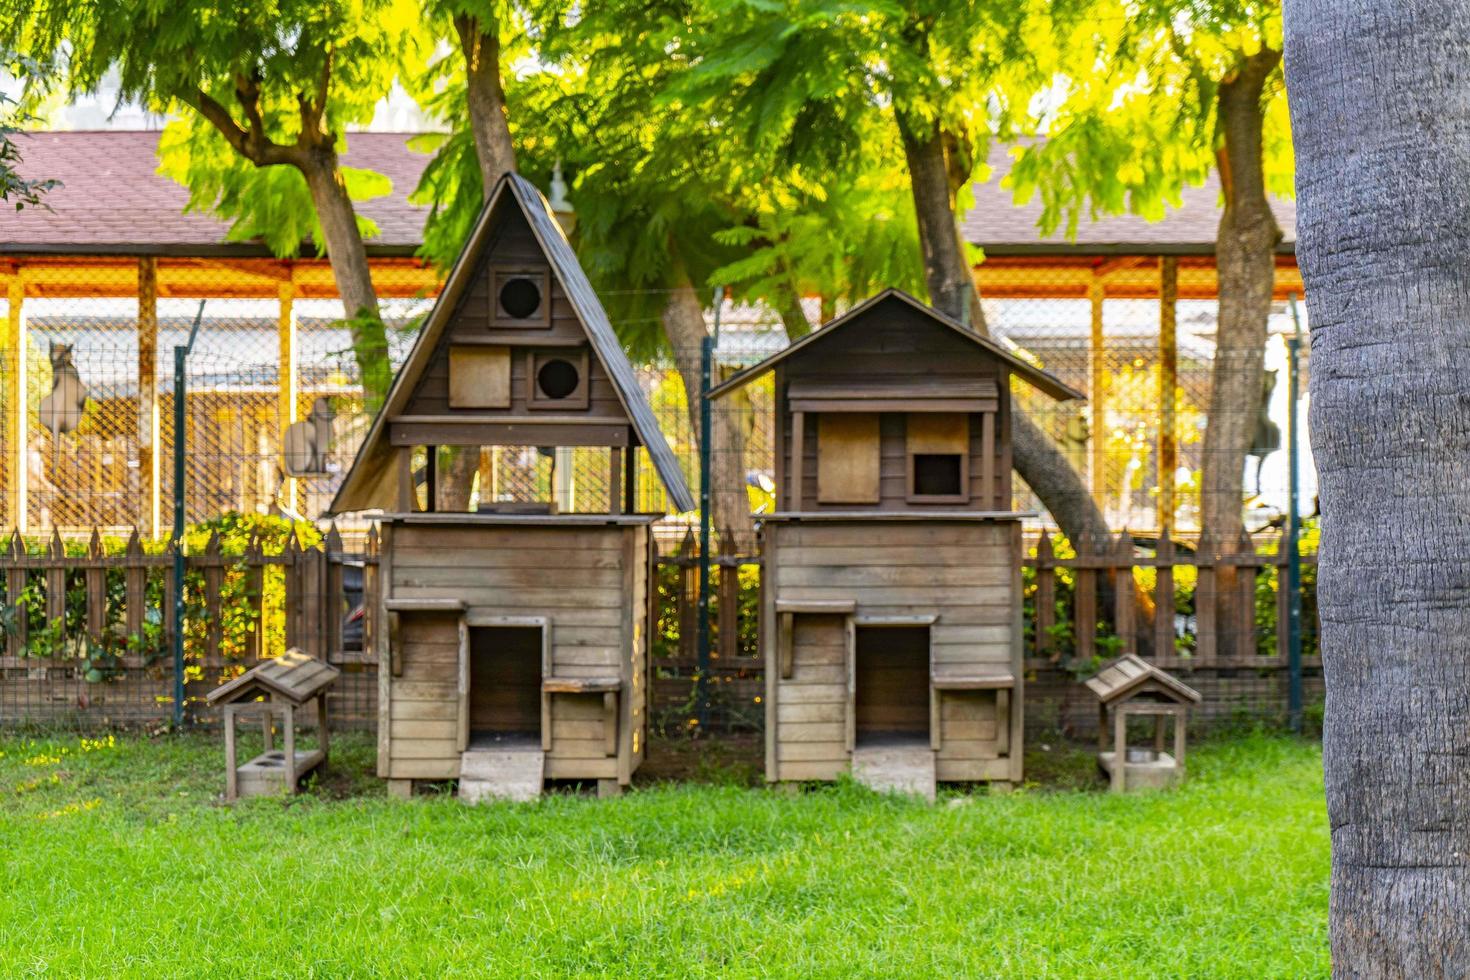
(181,364)
(706,454)
(1293,528)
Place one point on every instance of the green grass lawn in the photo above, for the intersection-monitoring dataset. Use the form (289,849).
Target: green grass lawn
(117,859)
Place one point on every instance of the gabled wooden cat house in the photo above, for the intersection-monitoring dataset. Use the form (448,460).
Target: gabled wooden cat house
(516,647)
(891,595)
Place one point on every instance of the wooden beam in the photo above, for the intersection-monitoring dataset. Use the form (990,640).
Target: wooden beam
(148,422)
(1168,385)
(1097,396)
(288,381)
(16,344)
(615,480)
(1118,263)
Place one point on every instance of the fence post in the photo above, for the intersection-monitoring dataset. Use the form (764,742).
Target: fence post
(181,382)
(1084,589)
(96,579)
(729,599)
(1046,597)
(329,607)
(214,573)
(1123,592)
(255,597)
(684,601)
(1164,597)
(135,586)
(56,586)
(1245,596)
(15,586)
(1204,602)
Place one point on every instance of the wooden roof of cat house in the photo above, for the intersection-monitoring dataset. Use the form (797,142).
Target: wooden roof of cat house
(294,677)
(1131,676)
(517,351)
(887,304)
(891,408)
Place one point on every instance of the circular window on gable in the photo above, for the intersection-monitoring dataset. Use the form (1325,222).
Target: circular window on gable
(558,378)
(520,298)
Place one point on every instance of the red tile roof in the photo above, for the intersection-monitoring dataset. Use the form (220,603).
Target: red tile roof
(114,201)
(1002,227)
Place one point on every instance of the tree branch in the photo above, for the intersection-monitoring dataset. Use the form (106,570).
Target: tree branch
(254,145)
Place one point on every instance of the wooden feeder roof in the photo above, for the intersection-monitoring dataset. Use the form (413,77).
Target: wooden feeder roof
(1130,675)
(365,485)
(1041,380)
(294,677)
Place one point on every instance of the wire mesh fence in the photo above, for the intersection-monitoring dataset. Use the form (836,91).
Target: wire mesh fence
(88,445)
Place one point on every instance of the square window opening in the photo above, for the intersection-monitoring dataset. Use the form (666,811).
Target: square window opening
(938,475)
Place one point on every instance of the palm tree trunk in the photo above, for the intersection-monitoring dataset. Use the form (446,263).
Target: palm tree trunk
(1380,105)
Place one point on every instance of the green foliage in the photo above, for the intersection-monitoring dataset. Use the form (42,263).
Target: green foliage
(668,880)
(238,612)
(1130,116)
(178,57)
(1268,587)
(21,191)
(269,204)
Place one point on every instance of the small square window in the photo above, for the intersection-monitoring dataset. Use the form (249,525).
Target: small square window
(938,475)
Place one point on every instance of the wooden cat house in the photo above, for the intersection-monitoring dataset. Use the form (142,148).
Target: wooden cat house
(516,648)
(1132,688)
(891,595)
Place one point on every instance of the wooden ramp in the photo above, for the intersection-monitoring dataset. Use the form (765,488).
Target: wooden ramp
(503,768)
(895,764)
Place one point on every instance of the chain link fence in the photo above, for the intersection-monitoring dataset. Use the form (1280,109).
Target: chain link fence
(95,450)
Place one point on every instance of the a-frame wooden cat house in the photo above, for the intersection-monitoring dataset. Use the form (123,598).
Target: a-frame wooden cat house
(517,641)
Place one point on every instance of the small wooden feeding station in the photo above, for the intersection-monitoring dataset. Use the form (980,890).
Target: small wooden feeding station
(517,640)
(1132,687)
(891,581)
(287,684)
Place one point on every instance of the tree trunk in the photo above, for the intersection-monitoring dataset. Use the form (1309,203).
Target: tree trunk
(479,41)
(794,320)
(1380,104)
(946,267)
(683,321)
(1245,260)
(952,290)
(348,257)
(1245,257)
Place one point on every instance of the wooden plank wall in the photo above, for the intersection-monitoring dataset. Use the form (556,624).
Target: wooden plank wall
(576,576)
(994,494)
(961,572)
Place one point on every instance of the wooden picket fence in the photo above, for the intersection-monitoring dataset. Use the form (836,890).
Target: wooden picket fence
(736,678)
(1114,599)
(110,614)
(1224,628)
